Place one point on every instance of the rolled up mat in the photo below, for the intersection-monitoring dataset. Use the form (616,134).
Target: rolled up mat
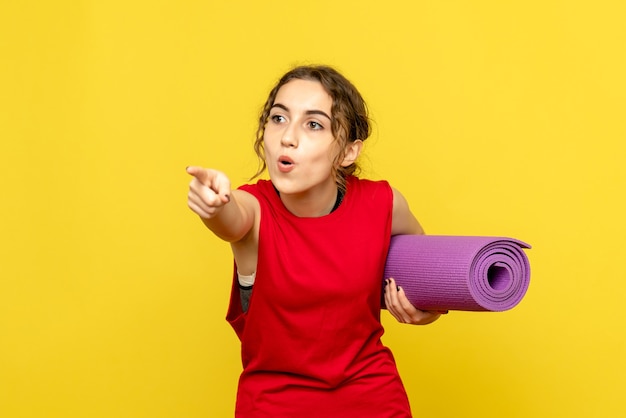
(463,273)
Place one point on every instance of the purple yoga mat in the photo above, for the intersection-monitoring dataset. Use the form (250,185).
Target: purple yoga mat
(463,273)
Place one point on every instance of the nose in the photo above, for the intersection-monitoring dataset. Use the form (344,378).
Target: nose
(289,137)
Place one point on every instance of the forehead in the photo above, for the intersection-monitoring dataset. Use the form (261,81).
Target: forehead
(304,94)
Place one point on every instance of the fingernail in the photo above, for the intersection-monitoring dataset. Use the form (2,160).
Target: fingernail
(398,288)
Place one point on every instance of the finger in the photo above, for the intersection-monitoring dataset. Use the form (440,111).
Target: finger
(404,301)
(204,176)
(417,316)
(204,197)
(198,210)
(203,201)
(195,170)
(221,187)
(409,313)
(391,298)
(394,306)
(401,308)
(214,180)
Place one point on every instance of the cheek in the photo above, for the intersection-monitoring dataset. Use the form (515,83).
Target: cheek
(325,157)
(269,141)
(332,153)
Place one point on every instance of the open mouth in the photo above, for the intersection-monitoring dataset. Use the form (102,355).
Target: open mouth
(285,164)
(285,161)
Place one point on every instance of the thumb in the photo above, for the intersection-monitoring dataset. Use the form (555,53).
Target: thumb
(221,186)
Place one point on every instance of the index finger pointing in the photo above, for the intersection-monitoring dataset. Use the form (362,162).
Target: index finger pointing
(198,172)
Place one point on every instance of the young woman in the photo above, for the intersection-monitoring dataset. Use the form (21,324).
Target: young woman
(310,246)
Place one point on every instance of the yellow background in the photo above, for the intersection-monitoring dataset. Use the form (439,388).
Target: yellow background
(492,117)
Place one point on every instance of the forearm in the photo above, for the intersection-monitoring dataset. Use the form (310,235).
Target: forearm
(232,222)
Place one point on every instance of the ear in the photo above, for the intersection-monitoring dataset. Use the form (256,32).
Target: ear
(353,149)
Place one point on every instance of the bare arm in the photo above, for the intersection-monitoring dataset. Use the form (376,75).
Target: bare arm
(403,220)
(229,214)
(398,305)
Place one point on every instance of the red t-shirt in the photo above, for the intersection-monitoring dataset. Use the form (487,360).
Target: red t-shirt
(310,339)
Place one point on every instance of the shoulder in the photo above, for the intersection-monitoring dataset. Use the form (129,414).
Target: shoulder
(378,191)
(262,191)
(381,186)
(258,188)
(404,222)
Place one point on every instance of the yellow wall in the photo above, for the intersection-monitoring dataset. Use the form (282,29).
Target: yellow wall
(493,117)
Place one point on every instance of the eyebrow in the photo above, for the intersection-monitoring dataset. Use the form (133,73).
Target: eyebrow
(308,112)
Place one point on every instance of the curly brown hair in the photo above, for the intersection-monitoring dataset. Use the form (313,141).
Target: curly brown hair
(349,115)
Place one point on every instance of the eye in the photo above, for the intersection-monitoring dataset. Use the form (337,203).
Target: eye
(316,126)
(277,118)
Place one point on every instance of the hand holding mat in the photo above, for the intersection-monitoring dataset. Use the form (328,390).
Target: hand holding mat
(463,273)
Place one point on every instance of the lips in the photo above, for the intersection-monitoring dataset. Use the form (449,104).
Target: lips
(285,164)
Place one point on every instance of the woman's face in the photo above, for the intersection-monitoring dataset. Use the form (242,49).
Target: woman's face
(298,142)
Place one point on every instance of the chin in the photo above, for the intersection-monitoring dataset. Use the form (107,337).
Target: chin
(282,187)
(285,187)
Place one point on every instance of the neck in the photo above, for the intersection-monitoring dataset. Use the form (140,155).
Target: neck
(311,205)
